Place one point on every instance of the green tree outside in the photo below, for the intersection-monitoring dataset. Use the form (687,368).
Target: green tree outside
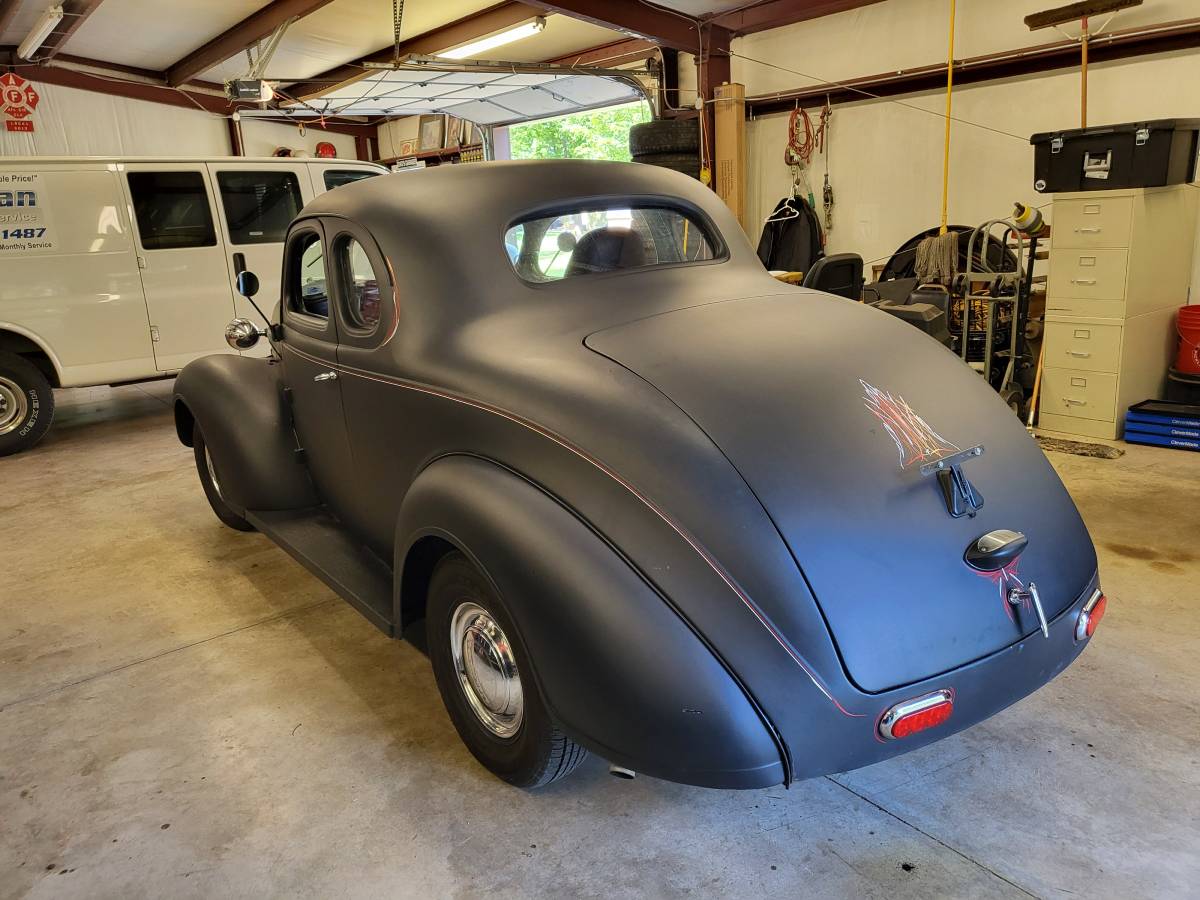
(598,134)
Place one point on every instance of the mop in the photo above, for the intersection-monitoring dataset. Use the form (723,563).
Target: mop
(937,255)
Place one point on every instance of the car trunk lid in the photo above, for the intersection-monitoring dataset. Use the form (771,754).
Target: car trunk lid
(828,409)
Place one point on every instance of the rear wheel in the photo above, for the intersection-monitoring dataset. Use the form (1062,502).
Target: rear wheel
(484,675)
(211,482)
(26,404)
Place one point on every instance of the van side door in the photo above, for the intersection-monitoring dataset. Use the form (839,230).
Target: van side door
(256,204)
(182,260)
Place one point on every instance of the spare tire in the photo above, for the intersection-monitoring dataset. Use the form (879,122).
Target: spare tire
(665,136)
(687,163)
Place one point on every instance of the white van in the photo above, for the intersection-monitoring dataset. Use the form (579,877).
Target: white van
(119,270)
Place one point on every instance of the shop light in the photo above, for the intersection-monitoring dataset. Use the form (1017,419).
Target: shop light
(498,39)
(40,31)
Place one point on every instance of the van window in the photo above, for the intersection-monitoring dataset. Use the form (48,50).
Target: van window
(308,292)
(357,276)
(259,206)
(337,177)
(172,210)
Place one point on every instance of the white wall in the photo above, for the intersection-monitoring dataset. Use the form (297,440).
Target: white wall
(261,139)
(885,159)
(72,122)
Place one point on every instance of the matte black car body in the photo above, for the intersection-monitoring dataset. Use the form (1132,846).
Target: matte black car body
(672,474)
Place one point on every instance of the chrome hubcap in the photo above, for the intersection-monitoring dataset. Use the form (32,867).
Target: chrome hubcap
(14,405)
(212,472)
(487,670)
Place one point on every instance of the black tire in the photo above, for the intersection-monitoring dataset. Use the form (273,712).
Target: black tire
(687,163)
(665,136)
(537,753)
(26,404)
(212,488)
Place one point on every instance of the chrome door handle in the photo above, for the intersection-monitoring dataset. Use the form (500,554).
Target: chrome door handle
(326,376)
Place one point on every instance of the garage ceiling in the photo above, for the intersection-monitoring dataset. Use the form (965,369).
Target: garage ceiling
(144,47)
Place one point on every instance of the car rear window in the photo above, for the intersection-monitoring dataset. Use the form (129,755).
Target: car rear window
(606,238)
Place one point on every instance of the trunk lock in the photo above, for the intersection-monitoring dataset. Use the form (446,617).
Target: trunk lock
(1024,597)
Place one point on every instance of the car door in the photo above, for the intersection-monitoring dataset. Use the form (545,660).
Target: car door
(182,260)
(309,353)
(380,417)
(257,204)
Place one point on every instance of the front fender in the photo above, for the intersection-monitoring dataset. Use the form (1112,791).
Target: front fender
(239,403)
(619,670)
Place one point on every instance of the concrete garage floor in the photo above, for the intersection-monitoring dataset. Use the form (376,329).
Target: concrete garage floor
(185,712)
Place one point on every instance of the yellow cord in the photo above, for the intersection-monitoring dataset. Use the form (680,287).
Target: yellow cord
(946,150)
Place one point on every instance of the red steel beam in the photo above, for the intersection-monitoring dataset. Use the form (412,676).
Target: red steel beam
(1114,45)
(776,13)
(8,9)
(159,93)
(460,31)
(241,36)
(634,19)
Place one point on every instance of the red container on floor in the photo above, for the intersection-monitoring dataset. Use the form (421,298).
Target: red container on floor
(1188,324)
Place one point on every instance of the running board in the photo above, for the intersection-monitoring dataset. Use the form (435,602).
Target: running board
(315,539)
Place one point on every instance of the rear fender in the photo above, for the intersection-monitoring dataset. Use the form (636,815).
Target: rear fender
(619,670)
(239,403)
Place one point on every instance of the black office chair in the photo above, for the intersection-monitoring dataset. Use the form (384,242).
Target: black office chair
(840,274)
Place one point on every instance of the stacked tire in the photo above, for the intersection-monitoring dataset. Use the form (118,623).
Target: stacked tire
(669,143)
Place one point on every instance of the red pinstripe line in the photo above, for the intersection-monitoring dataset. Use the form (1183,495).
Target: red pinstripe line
(646,501)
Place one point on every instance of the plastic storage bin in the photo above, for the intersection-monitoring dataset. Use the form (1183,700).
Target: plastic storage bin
(1107,157)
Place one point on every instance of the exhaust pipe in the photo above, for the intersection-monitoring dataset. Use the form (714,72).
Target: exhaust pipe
(621,772)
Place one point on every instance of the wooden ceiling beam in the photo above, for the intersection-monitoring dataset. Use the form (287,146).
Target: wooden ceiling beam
(239,38)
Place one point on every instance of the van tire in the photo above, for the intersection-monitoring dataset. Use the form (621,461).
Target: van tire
(26,404)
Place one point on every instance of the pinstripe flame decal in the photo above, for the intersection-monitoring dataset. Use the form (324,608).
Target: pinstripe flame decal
(675,526)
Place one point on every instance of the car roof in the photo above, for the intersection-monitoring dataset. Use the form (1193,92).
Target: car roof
(456,215)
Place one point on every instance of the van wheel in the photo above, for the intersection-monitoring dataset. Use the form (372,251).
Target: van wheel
(211,482)
(26,404)
(484,674)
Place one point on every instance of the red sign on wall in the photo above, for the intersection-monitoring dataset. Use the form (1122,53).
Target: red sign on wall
(20,99)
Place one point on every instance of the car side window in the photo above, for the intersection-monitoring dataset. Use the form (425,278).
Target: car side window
(172,210)
(308,291)
(360,282)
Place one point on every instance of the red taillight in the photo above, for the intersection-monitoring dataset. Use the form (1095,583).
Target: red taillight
(1090,616)
(916,715)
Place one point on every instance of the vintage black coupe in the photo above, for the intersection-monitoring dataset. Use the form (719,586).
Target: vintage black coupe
(637,496)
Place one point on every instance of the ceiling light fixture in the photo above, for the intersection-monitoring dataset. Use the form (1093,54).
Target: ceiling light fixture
(40,31)
(496,39)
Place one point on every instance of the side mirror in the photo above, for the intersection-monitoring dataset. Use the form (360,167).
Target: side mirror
(241,334)
(247,284)
(566,242)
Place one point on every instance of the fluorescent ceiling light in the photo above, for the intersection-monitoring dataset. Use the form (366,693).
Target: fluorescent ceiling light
(498,39)
(40,31)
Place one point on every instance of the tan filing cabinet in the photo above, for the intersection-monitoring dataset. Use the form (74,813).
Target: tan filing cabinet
(1120,264)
